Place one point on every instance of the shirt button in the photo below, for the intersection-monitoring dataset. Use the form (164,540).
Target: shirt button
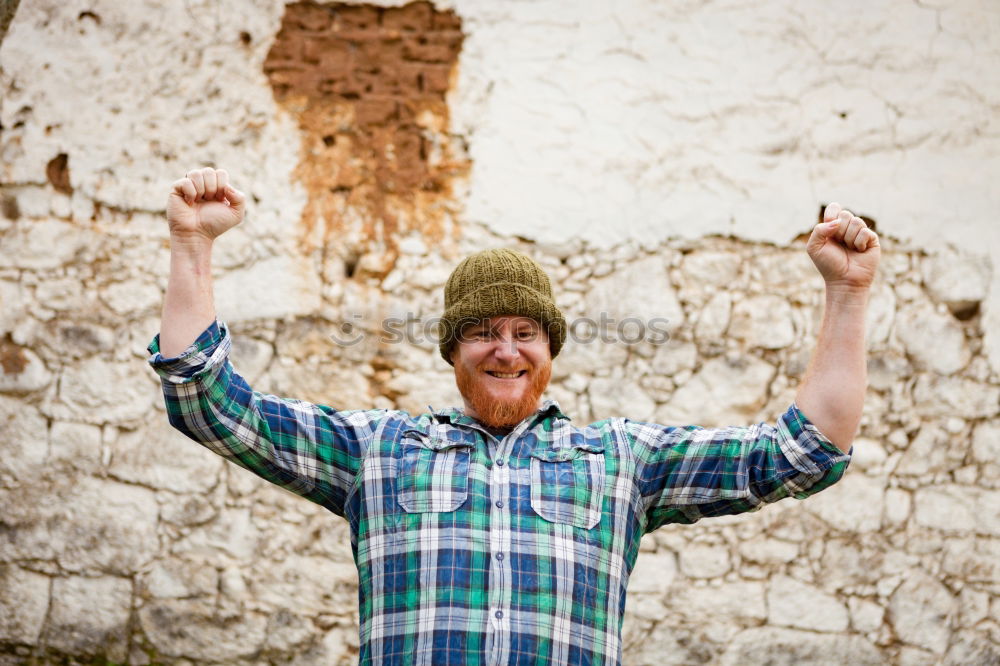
(499,556)
(499,615)
(500,462)
(499,504)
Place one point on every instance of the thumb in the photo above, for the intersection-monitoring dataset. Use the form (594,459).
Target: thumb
(832,211)
(236,199)
(820,234)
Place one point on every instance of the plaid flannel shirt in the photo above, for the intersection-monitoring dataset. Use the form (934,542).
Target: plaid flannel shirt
(477,550)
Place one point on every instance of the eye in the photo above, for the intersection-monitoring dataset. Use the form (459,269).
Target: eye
(477,333)
(526,334)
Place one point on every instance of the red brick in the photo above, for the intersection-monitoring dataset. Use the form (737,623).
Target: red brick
(375,111)
(346,87)
(411,75)
(361,17)
(308,16)
(447,20)
(437,78)
(428,52)
(408,144)
(433,47)
(329,45)
(284,48)
(414,16)
(382,83)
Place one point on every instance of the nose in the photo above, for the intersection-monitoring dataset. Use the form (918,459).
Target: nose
(506,349)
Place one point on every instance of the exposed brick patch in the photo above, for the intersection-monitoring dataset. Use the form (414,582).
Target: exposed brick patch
(12,358)
(368,85)
(57,171)
(9,207)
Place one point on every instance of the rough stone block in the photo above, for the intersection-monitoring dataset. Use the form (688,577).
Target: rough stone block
(192,628)
(933,339)
(305,584)
(714,318)
(957,508)
(792,603)
(986,442)
(763,321)
(24,445)
(653,573)
(24,601)
(75,446)
(269,289)
(955,397)
(232,534)
(641,291)
(608,398)
(958,279)
(90,616)
(731,600)
(787,647)
(178,578)
(853,504)
(769,551)
(920,612)
(725,391)
(866,616)
(99,390)
(704,561)
(159,457)
(47,244)
(91,526)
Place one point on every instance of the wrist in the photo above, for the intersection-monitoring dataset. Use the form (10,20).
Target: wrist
(192,243)
(847,294)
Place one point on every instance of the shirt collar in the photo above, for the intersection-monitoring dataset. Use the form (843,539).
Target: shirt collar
(458,417)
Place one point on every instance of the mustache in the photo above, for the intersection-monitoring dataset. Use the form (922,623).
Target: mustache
(510,368)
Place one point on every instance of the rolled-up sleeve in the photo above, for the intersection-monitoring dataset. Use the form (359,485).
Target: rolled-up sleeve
(312,450)
(688,473)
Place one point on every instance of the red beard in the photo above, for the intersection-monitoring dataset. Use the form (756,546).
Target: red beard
(497,413)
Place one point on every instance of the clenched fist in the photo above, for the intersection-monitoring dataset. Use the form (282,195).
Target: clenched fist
(203,203)
(844,249)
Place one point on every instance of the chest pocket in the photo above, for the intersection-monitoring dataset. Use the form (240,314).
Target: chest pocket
(433,474)
(567,485)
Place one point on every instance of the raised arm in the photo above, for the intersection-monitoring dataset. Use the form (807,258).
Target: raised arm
(201,207)
(312,450)
(846,253)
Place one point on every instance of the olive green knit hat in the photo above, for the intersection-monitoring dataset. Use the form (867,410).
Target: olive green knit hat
(493,283)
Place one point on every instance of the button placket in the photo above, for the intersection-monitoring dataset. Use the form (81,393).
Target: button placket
(500,574)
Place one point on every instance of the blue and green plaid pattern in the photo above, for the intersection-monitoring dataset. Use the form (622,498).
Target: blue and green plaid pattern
(477,550)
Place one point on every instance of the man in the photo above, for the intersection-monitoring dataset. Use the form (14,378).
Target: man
(501,533)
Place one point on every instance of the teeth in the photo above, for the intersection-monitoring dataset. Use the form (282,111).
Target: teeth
(506,375)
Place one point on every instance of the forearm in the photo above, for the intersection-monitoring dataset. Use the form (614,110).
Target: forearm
(188,306)
(832,392)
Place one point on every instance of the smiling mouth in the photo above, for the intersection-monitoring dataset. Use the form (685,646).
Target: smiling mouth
(506,375)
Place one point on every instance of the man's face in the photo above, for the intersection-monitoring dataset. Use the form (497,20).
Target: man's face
(502,365)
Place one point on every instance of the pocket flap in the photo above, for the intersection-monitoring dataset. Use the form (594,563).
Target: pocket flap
(566,454)
(425,441)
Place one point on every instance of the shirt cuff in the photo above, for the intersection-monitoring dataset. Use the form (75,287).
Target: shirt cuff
(806,448)
(194,360)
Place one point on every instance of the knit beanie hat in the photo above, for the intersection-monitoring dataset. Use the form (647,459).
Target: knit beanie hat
(493,283)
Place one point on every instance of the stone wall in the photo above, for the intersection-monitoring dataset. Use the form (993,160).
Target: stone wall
(120,540)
